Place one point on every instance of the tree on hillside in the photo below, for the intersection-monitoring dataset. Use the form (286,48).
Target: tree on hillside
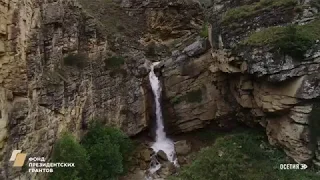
(67,149)
(108,149)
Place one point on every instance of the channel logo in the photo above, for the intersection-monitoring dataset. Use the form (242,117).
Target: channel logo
(18,158)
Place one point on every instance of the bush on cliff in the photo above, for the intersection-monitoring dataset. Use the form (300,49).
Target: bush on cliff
(293,43)
(204,30)
(67,149)
(292,40)
(240,156)
(102,154)
(108,149)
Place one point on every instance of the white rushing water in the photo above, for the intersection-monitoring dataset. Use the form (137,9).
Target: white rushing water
(162,142)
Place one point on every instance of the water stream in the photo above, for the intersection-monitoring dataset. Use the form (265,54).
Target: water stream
(162,142)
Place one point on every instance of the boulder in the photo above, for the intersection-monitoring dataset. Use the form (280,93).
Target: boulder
(162,155)
(182,160)
(182,147)
(196,48)
(167,169)
(145,154)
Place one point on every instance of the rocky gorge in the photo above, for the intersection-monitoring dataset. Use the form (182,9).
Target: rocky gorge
(66,62)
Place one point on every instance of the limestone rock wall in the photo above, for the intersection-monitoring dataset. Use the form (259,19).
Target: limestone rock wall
(42,96)
(196,92)
(280,89)
(254,85)
(205,80)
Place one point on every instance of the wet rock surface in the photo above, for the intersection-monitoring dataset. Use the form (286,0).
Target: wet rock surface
(162,155)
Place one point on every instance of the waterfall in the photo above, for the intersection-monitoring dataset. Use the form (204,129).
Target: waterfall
(156,88)
(161,142)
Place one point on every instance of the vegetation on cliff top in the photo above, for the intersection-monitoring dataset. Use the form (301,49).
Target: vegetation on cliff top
(241,156)
(293,40)
(102,154)
(255,8)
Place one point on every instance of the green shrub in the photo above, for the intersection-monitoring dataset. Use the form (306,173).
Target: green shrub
(67,149)
(103,154)
(204,31)
(240,156)
(108,149)
(78,60)
(255,8)
(264,37)
(294,43)
(114,62)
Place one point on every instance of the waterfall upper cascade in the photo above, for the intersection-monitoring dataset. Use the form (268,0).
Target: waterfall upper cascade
(161,142)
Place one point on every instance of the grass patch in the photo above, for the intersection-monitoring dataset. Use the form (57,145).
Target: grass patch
(204,31)
(241,156)
(255,8)
(266,36)
(114,62)
(77,60)
(293,40)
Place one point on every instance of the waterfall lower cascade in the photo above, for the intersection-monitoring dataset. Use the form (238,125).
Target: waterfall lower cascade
(161,142)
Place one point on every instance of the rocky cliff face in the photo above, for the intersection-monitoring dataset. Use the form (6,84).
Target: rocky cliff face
(62,65)
(247,76)
(56,75)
